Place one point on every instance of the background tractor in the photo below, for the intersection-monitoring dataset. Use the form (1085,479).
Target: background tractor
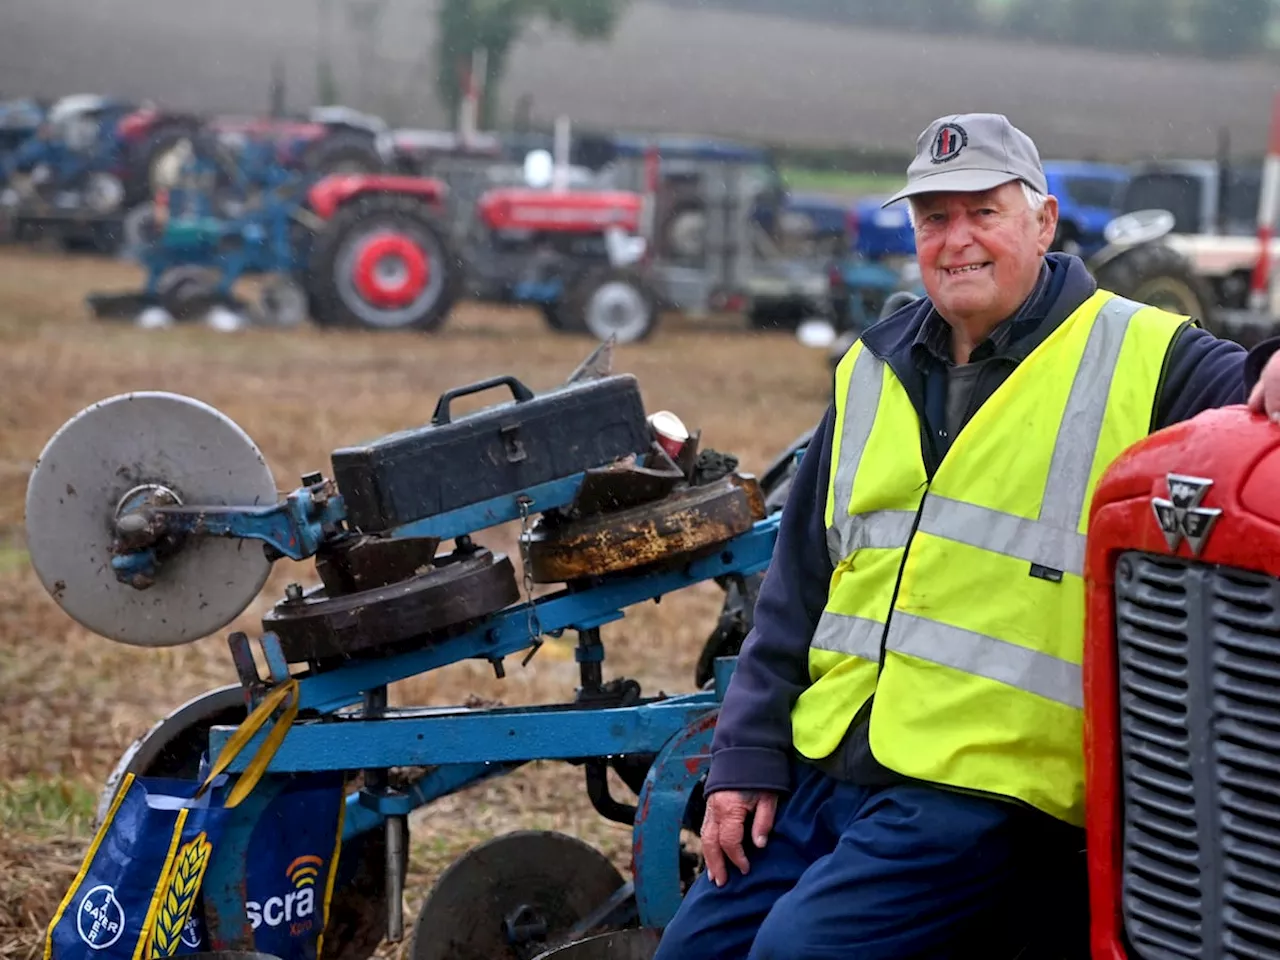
(368,250)
(331,139)
(1188,239)
(91,160)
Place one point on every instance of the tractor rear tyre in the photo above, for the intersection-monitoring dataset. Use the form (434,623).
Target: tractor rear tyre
(611,302)
(1156,274)
(382,262)
(343,151)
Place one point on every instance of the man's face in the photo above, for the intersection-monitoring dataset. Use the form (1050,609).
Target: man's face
(980,253)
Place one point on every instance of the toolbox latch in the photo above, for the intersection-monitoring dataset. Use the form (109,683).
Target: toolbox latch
(512,443)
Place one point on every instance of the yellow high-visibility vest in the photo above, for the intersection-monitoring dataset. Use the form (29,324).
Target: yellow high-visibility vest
(959,602)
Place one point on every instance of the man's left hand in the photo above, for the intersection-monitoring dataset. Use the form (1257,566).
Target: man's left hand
(1265,397)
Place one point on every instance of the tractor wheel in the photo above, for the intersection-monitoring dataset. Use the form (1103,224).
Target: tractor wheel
(1066,238)
(1156,274)
(382,262)
(343,151)
(553,314)
(611,302)
(684,233)
(139,230)
(187,291)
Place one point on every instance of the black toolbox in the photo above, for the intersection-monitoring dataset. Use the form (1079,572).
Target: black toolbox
(499,450)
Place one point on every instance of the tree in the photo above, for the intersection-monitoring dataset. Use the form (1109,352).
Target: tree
(1225,28)
(494,25)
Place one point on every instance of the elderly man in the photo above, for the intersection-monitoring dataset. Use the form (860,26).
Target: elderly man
(897,770)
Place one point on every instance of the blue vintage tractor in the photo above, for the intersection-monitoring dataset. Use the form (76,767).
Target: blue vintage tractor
(343,249)
(90,160)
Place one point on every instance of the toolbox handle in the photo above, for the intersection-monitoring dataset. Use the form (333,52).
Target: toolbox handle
(518,390)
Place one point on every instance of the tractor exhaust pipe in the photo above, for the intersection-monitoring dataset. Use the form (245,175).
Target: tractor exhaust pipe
(560,168)
(473,77)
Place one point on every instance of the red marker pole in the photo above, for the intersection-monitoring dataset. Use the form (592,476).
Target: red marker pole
(1268,212)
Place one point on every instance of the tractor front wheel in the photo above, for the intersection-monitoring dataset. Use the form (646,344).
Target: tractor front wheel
(382,263)
(611,303)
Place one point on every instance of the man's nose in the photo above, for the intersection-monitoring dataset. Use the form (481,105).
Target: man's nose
(959,233)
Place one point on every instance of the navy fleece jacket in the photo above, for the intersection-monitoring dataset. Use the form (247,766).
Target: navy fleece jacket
(752,748)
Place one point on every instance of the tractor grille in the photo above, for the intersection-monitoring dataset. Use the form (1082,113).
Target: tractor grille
(1200,740)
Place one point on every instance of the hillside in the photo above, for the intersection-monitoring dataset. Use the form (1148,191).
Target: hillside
(709,70)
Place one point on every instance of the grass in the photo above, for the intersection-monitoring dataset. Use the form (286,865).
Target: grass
(75,701)
(47,806)
(839,182)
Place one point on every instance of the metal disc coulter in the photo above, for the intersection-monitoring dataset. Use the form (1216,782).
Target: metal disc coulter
(137,450)
(513,898)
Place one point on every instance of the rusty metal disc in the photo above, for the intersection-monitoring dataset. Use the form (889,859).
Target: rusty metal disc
(513,897)
(683,524)
(460,589)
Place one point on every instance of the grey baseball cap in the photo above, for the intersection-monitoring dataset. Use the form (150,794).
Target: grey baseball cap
(971,152)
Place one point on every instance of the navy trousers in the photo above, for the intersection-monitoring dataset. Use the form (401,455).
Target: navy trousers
(902,872)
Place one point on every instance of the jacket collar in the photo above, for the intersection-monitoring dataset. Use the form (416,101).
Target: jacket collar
(933,341)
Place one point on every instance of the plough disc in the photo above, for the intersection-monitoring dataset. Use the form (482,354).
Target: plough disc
(638,943)
(162,443)
(173,748)
(513,898)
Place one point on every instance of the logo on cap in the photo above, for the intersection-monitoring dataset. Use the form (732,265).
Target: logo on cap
(949,141)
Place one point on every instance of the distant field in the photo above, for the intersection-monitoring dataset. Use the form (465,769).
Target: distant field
(838,182)
(766,78)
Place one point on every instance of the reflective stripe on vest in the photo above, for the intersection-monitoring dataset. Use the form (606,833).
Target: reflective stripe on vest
(958,600)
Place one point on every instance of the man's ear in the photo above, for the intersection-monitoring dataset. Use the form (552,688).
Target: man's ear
(1047,216)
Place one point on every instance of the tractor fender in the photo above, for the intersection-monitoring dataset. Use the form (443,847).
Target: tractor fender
(330,193)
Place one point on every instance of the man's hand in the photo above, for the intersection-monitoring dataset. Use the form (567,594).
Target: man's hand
(724,824)
(1265,397)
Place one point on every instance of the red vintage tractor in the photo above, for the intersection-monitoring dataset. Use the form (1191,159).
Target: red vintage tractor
(1182,695)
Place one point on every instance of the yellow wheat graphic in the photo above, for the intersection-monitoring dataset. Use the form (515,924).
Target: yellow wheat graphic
(188,872)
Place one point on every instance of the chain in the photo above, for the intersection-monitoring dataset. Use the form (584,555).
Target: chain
(535,625)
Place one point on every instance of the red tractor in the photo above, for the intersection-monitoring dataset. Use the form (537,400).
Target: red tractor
(1182,695)
(577,255)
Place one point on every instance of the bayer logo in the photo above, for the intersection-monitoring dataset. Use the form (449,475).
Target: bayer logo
(190,935)
(100,918)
